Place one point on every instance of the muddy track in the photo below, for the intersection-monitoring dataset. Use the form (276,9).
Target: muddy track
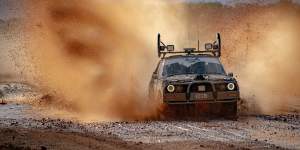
(249,132)
(23,126)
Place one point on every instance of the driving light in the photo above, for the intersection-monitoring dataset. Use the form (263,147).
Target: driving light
(171,88)
(230,86)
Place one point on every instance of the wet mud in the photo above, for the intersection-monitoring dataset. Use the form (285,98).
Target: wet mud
(25,126)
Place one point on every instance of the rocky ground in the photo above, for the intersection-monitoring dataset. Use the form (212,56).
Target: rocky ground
(24,126)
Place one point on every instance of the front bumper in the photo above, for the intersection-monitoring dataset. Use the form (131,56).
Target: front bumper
(190,97)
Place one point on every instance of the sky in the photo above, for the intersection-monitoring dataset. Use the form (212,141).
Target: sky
(9,9)
(234,2)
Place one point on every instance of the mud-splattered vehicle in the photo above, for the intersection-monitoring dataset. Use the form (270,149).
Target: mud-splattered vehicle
(194,80)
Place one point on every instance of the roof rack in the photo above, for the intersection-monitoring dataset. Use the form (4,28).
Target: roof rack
(213,49)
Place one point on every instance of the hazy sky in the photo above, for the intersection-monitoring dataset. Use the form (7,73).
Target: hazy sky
(10,9)
(233,2)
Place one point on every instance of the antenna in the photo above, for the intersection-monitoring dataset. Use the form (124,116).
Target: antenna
(198,45)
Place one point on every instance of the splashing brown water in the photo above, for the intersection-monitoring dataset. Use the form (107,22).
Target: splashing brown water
(98,56)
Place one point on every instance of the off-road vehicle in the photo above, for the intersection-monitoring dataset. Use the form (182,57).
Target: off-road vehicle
(195,79)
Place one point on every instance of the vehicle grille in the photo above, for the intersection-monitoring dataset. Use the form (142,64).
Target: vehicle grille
(198,87)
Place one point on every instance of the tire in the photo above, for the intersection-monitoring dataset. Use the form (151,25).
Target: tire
(230,110)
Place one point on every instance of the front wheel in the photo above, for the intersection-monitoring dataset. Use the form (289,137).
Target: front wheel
(230,110)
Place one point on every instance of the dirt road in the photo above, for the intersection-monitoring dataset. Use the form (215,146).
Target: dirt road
(23,126)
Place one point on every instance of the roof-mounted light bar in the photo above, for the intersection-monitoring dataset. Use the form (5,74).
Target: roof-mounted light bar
(213,49)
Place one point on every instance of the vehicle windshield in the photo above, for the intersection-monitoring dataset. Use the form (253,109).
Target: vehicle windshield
(192,65)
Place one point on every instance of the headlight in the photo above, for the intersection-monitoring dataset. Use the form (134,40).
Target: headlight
(230,86)
(171,88)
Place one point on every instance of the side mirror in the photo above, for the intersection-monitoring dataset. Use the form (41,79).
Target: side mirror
(230,74)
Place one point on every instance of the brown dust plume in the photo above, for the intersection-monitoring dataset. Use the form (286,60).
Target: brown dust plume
(97,56)
(260,46)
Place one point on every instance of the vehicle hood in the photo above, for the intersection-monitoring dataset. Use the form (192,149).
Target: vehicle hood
(218,77)
(186,78)
(195,77)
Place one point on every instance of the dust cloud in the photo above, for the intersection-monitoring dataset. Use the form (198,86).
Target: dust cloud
(96,57)
(260,46)
(271,70)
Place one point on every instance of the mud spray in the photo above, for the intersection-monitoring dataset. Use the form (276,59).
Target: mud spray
(260,46)
(96,56)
